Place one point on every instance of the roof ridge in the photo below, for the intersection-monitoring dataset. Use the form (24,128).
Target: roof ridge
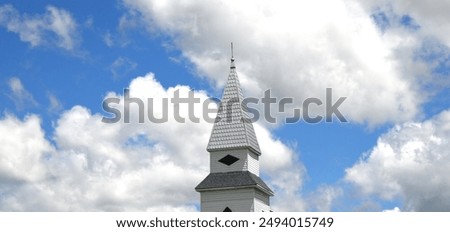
(220,180)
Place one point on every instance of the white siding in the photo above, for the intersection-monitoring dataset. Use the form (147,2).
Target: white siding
(261,207)
(216,166)
(238,200)
(248,161)
(262,202)
(264,198)
(253,163)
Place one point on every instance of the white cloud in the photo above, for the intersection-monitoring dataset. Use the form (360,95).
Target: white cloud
(394,210)
(54,104)
(324,197)
(298,49)
(284,172)
(19,95)
(419,33)
(431,16)
(108,39)
(94,166)
(121,67)
(23,150)
(410,163)
(55,27)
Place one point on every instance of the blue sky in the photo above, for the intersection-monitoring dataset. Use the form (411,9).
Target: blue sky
(61,59)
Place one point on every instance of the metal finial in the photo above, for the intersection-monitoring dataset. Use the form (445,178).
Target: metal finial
(232,55)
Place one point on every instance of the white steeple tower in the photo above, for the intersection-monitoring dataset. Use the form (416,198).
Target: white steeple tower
(233,183)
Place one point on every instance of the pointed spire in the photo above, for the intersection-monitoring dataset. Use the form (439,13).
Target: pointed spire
(232,57)
(233,129)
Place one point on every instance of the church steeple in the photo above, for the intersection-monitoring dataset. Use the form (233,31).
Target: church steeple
(233,128)
(233,183)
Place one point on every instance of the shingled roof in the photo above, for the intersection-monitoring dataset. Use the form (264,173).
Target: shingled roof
(221,180)
(232,128)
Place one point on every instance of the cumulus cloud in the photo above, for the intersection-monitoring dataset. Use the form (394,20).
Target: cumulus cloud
(324,197)
(93,166)
(284,172)
(297,49)
(419,31)
(23,150)
(410,163)
(55,27)
(432,17)
(19,95)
